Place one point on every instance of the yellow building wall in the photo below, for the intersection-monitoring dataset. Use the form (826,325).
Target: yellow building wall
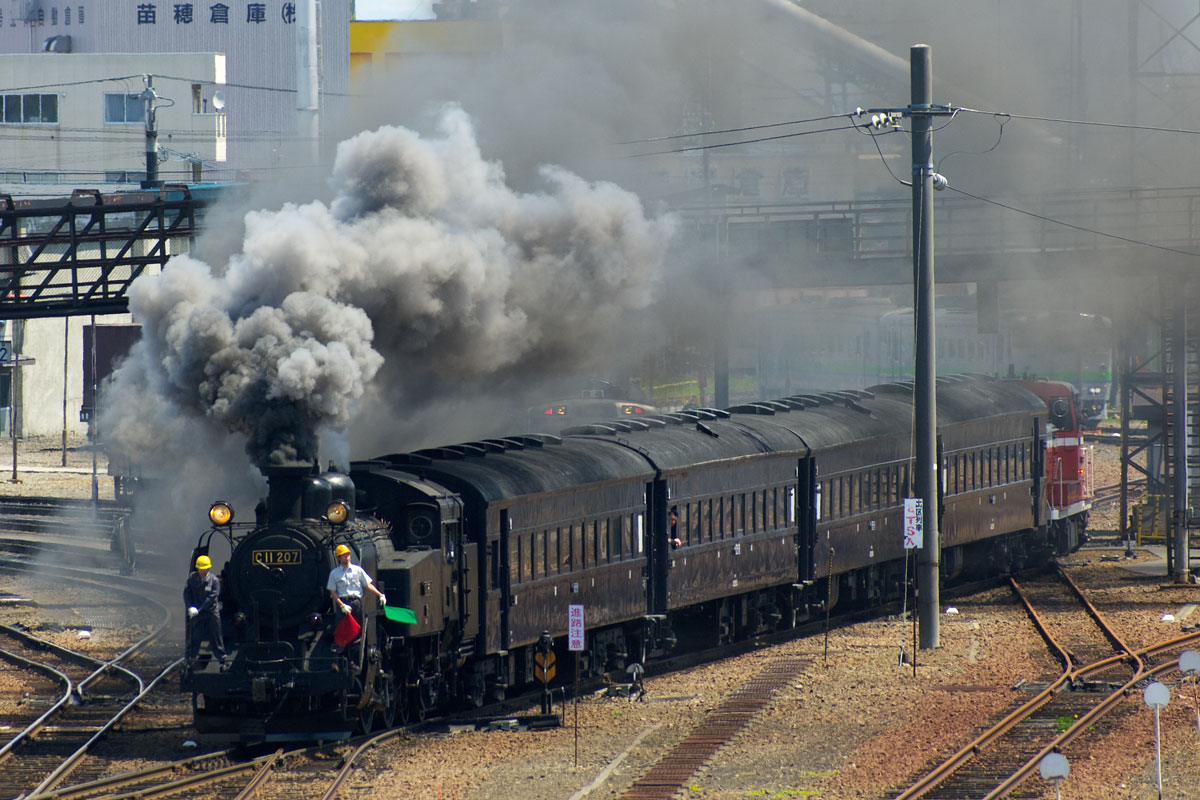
(375,45)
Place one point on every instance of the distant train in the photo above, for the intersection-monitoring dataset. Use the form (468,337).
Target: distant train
(782,509)
(595,401)
(859,342)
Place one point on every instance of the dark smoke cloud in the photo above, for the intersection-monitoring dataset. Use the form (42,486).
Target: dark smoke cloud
(426,273)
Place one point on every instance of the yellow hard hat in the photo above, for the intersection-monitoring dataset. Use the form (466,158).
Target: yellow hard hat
(203,562)
(341,550)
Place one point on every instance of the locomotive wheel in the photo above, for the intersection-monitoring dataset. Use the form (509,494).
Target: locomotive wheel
(386,700)
(403,705)
(366,711)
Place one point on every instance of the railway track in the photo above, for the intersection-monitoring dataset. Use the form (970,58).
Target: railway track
(70,530)
(674,770)
(75,700)
(1097,671)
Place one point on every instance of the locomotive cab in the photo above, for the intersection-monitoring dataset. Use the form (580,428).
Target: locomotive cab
(1067,496)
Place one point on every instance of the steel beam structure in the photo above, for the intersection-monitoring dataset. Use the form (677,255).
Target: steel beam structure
(78,255)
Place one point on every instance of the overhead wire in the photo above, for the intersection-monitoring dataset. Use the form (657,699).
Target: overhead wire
(1073,226)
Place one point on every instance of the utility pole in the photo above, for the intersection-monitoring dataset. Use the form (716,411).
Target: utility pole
(924,350)
(926,469)
(149,96)
(308,81)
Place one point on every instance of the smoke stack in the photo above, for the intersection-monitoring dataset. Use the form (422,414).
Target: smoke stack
(289,487)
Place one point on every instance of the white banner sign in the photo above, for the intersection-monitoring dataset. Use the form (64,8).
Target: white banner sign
(914,522)
(575,627)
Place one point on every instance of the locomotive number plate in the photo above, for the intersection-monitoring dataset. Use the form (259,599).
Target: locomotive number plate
(276,558)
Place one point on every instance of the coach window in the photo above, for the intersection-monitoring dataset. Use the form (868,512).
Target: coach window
(493,556)
(539,554)
(731,525)
(604,555)
(834,499)
(739,515)
(527,570)
(579,555)
(514,560)
(552,551)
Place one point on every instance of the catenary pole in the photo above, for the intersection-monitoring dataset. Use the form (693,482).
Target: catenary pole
(924,351)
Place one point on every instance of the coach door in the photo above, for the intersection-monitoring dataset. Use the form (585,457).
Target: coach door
(807,510)
(505,578)
(658,551)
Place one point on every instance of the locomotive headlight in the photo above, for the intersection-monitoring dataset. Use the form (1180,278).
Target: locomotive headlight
(337,512)
(314,621)
(220,514)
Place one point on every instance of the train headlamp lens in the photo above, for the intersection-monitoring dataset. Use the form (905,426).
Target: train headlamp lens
(220,514)
(337,512)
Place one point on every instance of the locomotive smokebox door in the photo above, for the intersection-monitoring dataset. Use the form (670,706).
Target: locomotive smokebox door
(281,562)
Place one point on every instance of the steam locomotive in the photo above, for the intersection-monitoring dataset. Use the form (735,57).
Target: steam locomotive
(781,509)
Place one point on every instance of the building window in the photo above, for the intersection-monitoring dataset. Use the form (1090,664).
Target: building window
(747,181)
(21,109)
(794,183)
(66,15)
(124,108)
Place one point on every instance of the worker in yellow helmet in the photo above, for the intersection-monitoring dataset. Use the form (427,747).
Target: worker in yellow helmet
(202,596)
(346,584)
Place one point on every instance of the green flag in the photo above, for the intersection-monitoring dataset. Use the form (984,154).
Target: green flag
(400,614)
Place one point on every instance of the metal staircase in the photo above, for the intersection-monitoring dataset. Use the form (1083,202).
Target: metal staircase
(1181,417)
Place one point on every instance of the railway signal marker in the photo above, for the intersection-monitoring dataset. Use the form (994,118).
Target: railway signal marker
(543,667)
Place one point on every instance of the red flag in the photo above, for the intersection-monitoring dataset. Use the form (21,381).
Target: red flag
(346,630)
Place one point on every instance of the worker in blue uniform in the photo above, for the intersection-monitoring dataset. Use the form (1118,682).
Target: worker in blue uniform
(202,596)
(346,584)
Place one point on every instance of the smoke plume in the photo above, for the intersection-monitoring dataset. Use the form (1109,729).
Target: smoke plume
(424,274)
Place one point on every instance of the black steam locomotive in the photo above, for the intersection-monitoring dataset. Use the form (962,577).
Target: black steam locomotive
(482,547)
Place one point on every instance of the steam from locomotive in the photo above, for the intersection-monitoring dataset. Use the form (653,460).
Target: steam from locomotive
(330,307)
